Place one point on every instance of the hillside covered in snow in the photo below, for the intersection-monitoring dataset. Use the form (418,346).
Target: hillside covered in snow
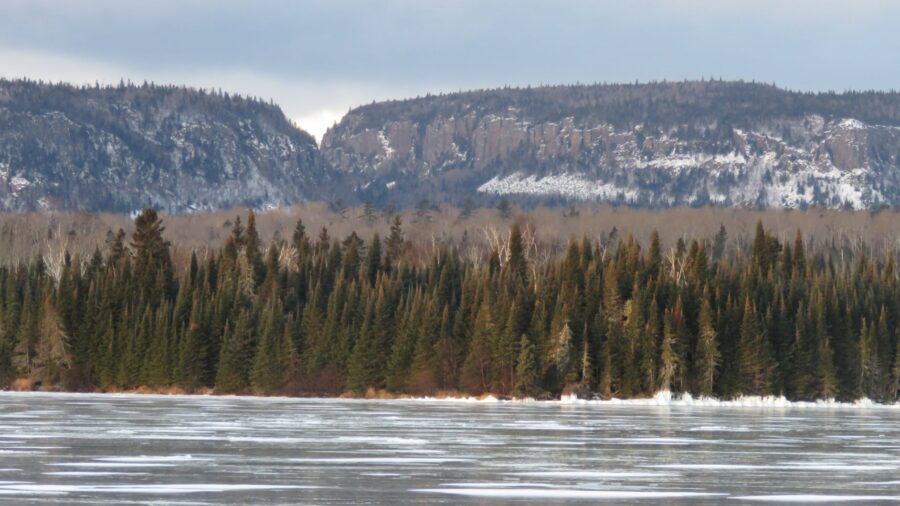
(127,147)
(691,143)
(658,144)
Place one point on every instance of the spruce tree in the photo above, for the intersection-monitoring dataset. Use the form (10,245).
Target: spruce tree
(194,369)
(755,364)
(669,361)
(52,355)
(868,362)
(152,257)
(395,243)
(477,367)
(231,376)
(268,372)
(707,355)
(895,384)
(526,369)
(365,368)
(564,356)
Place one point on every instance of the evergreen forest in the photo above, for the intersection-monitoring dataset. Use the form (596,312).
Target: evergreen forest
(313,314)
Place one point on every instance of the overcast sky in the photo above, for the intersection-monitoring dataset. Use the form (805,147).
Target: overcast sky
(317,58)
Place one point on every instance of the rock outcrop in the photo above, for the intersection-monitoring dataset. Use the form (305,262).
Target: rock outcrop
(663,144)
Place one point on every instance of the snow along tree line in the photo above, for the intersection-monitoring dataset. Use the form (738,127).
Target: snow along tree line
(317,315)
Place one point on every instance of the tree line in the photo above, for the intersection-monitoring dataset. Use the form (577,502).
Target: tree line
(316,315)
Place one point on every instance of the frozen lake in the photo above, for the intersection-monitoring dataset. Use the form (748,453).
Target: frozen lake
(135,449)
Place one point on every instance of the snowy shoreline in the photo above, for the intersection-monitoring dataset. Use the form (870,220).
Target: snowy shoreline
(668,399)
(661,399)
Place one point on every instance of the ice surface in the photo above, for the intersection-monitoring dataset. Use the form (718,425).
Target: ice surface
(93,473)
(380,460)
(857,468)
(113,464)
(817,498)
(541,493)
(169,488)
(595,474)
(157,458)
(357,451)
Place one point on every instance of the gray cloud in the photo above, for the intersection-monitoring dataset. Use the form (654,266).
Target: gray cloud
(313,56)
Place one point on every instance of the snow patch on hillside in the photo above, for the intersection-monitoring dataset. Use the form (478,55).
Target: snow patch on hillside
(567,185)
(385,145)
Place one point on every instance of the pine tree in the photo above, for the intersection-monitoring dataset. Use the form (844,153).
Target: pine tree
(895,385)
(373,260)
(826,377)
(800,381)
(152,257)
(707,355)
(669,362)
(755,363)
(299,239)
(155,369)
(504,208)
(634,332)
(563,355)
(365,366)
(526,369)
(52,349)
(477,367)
(269,363)
(615,339)
(505,352)
(235,356)
(654,256)
(448,353)
(195,351)
(252,243)
(395,243)
(26,334)
(423,379)
(516,260)
(761,257)
(868,362)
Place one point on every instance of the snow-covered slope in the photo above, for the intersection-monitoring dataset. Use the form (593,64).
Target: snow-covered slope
(124,148)
(662,144)
(761,170)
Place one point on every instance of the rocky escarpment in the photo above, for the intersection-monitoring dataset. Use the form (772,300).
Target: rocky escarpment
(661,144)
(123,148)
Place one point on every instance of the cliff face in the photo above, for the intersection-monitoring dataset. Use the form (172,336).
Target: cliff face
(663,144)
(654,145)
(121,149)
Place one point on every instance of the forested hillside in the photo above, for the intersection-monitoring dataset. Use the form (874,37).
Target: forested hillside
(315,314)
(659,144)
(126,147)
(647,145)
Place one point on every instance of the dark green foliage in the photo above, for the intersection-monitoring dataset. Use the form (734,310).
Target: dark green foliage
(302,318)
(526,369)
(236,355)
(707,356)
